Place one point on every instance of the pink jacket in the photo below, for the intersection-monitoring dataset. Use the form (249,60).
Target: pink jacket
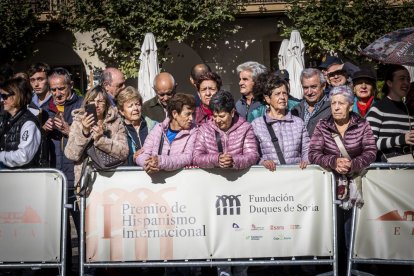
(174,156)
(239,141)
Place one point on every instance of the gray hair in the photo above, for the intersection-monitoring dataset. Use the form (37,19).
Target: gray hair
(343,90)
(252,66)
(310,72)
(60,71)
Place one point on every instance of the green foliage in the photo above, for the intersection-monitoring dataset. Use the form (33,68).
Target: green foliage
(346,26)
(126,21)
(19,28)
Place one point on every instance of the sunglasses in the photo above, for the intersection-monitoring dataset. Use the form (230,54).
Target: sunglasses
(6,96)
(336,73)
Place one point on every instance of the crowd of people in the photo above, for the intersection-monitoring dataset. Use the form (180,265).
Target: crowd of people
(341,124)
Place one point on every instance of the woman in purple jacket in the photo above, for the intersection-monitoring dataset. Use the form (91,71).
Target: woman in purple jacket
(227,141)
(290,131)
(169,146)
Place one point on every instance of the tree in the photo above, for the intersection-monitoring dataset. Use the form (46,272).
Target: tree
(346,26)
(119,26)
(19,27)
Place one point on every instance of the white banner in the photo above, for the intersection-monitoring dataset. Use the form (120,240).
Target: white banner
(385,224)
(30,216)
(198,214)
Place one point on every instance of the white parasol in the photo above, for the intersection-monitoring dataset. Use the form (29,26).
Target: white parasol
(148,68)
(295,63)
(282,55)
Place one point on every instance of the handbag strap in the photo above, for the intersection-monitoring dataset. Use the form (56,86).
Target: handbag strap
(275,142)
(340,145)
(161,144)
(218,141)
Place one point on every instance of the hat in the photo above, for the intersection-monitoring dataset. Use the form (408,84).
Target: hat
(364,73)
(282,74)
(328,61)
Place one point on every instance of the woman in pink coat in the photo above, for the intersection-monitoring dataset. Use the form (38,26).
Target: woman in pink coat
(169,146)
(227,141)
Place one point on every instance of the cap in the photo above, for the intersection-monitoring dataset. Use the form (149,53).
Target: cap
(328,61)
(364,73)
(282,74)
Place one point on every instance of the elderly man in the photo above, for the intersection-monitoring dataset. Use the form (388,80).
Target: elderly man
(248,73)
(314,106)
(337,75)
(113,81)
(164,86)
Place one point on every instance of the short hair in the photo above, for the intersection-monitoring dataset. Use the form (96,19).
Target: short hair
(127,94)
(275,82)
(389,76)
(177,103)
(38,67)
(252,66)
(222,101)
(60,71)
(106,76)
(343,90)
(198,70)
(310,72)
(93,93)
(21,89)
(209,76)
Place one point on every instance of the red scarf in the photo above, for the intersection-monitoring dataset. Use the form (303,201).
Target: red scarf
(364,108)
(206,111)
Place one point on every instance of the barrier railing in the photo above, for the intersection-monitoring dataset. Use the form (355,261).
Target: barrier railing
(200,217)
(383,229)
(33,219)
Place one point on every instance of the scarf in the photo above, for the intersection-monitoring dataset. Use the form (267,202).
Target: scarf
(364,108)
(206,111)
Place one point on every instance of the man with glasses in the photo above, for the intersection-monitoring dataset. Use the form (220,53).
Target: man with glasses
(314,105)
(113,81)
(337,74)
(164,87)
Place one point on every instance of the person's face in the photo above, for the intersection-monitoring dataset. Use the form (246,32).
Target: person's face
(61,91)
(38,81)
(312,89)
(246,83)
(400,84)
(117,84)
(278,99)
(336,75)
(363,88)
(223,119)
(340,108)
(8,100)
(165,91)
(100,105)
(185,118)
(131,110)
(207,89)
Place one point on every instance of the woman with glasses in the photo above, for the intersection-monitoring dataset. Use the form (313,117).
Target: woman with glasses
(137,127)
(20,135)
(207,85)
(106,131)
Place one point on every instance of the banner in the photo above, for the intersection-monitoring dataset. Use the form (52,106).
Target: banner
(209,214)
(385,224)
(30,216)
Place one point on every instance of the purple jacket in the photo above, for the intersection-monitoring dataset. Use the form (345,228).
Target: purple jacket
(174,156)
(239,141)
(292,135)
(358,140)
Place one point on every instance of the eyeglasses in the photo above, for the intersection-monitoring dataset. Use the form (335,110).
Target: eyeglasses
(6,96)
(97,102)
(54,89)
(336,73)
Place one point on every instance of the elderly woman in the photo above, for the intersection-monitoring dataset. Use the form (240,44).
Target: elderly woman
(207,85)
(107,133)
(390,120)
(20,134)
(228,140)
(169,146)
(364,82)
(137,127)
(293,139)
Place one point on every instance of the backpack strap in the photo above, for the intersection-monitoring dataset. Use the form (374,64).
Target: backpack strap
(161,144)
(275,142)
(218,141)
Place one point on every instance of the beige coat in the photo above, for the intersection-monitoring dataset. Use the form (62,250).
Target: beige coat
(116,144)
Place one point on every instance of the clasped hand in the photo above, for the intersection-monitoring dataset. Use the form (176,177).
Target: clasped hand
(343,165)
(151,164)
(225,160)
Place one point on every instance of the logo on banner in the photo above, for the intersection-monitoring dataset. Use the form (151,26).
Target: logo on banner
(256,228)
(228,205)
(29,216)
(395,216)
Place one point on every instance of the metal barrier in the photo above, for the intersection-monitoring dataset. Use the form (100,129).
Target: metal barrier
(33,219)
(97,182)
(363,219)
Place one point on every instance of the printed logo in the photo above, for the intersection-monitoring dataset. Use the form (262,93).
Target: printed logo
(25,135)
(235,225)
(228,204)
(395,216)
(254,238)
(255,228)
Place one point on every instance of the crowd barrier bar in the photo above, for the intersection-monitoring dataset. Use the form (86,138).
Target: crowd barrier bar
(332,260)
(352,260)
(61,265)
